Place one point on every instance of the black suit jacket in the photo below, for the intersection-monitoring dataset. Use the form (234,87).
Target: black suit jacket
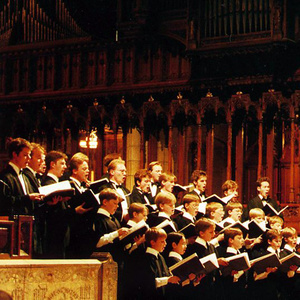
(137,196)
(118,214)
(256,202)
(13,200)
(33,181)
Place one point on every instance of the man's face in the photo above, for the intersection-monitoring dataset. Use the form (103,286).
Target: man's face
(156,172)
(36,159)
(118,174)
(82,173)
(58,167)
(200,184)
(145,184)
(264,189)
(21,160)
(42,167)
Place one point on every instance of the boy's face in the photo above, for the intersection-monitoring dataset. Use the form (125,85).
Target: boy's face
(137,217)
(264,189)
(167,208)
(275,243)
(208,234)
(159,245)
(192,208)
(291,241)
(276,226)
(110,205)
(144,184)
(237,242)
(218,214)
(200,184)
(156,172)
(168,184)
(180,247)
(232,191)
(259,218)
(235,214)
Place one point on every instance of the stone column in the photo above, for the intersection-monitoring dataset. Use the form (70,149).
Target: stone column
(132,156)
(260,143)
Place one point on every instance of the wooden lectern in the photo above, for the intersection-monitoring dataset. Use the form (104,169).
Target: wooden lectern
(16,237)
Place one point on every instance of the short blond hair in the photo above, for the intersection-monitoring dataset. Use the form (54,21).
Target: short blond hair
(256,212)
(289,232)
(164,198)
(212,207)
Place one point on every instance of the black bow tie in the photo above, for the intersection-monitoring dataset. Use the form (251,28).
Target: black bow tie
(83,184)
(38,175)
(156,183)
(119,186)
(21,172)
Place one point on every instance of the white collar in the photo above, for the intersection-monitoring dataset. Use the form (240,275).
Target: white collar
(104,212)
(288,247)
(229,220)
(152,251)
(175,255)
(231,250)
(272,250)
(15,167)
(197,191)
(188,216)
(201,241)
(163,214)
(53,177)
(78,183)
(131,223)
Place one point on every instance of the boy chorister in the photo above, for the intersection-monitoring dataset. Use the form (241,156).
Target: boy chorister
(234,283)
(234,211)
(266,285)
(167,181)
(165,202)
(152,273)
(106,227)
(209,287)
(190,209)
(290,281)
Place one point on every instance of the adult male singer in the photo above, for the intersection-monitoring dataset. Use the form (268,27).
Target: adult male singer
(141,190)
(155,169)
(32,173)
(35,163)
(199,179)
(263,189)
(81,225)
(15,198)
(117,175)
